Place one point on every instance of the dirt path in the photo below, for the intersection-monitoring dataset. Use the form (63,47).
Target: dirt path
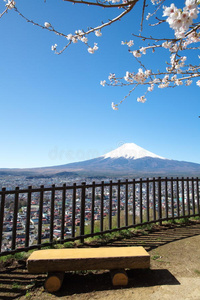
(174,273)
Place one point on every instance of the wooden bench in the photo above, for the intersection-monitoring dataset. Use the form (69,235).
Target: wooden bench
(56,262)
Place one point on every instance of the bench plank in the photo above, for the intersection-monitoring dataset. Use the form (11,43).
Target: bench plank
(108,258)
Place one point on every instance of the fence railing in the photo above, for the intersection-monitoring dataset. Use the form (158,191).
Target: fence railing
(36,217)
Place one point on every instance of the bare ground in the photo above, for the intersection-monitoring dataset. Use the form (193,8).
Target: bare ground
(174,272)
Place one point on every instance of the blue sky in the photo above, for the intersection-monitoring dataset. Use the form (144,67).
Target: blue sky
(53,109)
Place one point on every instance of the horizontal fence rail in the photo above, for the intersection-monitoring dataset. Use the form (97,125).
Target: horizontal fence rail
(36,217)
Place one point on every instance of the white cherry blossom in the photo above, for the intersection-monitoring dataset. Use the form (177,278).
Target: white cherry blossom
(84,39)
(53,47)
(10,4)
(137,53)
(114,106)
(98,33)
(47,24)
(141,99)
(178,82)
(74,40)
(188,82)
(91,50)
(95,47)
(163,85)
(103,82)
(143,50)
(150,88)
(69,36)
(130,43)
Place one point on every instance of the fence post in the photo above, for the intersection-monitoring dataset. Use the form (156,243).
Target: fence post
(188,196)
(110,206)
(172,196)
(154,199)
(134,202)
(183,197)
(126,204)
(82,223)
(14,231)
(40,214)
(118,204)
(92,207)
(159,201)
(63,212)
(141,204)
(177,197)
(197,191)
(166,199)
(193,200)
(28,214)
(2,215)
(102,206)
(74,210)
(147,198)
(52,213)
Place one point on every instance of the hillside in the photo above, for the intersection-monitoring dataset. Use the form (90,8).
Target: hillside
(171,275)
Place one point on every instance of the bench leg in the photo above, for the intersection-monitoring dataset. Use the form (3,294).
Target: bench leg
(119,277)
(54,281)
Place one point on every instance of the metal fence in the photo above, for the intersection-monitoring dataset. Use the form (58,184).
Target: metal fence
(36,217)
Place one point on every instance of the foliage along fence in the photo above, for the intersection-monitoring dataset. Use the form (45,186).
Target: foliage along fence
(36,217)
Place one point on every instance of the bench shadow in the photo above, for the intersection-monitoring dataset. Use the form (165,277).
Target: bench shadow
(86,283)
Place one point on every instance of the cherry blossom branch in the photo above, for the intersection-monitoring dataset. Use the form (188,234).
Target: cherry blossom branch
(153,38)
(5,11)
(81,34)
(181,21)
(115,106)
(175,72)
(49,28)
(104,5)
(142,19)
(119,17)
(193,30)
(96,29)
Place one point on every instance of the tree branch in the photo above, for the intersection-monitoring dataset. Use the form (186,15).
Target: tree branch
(108,5)
(5,11)
(111,21)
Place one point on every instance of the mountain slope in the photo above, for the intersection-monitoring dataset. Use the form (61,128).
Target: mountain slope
(127,160)
(132,160)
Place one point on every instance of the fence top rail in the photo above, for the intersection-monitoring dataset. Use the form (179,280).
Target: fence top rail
(31,189)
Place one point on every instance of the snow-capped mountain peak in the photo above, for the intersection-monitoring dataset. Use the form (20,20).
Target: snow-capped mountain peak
(130,151)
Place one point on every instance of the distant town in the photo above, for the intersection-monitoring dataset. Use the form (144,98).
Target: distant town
(10,182)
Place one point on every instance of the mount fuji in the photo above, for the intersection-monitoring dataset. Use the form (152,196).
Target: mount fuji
(130,160)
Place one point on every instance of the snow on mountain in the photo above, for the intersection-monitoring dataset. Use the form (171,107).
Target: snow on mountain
(130,151)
